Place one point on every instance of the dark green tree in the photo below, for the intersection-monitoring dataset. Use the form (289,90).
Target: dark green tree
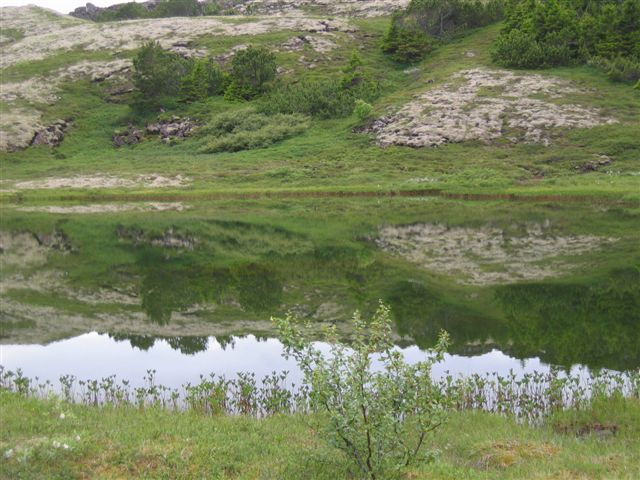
(157,74)
(251,70)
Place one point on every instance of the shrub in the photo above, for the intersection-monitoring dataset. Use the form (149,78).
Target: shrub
(325,98)
(126,11)
(563,32)
(251,70)
(246,129)
(204,80)
(378,418)
(619,69)
(362,110)
(517,49)
(157,74)
(320,99)
(405,43)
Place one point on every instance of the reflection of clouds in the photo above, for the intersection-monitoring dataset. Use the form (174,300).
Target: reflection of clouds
(94,356)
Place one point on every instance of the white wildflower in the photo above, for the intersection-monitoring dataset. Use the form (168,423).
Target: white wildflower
(56,444)
(9,453)
(65,446)
(62,416)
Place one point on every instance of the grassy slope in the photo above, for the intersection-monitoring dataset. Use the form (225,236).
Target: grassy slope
(151,443)
(329,156)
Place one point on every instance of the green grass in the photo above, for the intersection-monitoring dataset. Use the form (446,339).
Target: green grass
(126,442)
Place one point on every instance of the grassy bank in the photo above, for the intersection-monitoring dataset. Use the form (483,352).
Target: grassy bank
(126,442)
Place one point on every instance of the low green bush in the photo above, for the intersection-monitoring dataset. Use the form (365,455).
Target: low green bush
(247,129)
(618,69)
(517,49)
(321,99)
(362,110)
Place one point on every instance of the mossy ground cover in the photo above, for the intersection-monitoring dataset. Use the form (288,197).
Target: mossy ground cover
(127,442)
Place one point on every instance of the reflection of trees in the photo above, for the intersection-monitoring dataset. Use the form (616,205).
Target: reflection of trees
(188,345)
(168,288)
(421,312)
(259,289)
(596,324)
(143,342)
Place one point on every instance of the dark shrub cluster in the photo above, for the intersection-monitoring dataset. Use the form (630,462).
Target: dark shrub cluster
(413,32)
(162,77)
(330,98)
(542,33)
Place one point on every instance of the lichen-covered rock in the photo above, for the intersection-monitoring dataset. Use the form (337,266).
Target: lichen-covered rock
(130,136)
(172,129)
(485,105)
(53,135)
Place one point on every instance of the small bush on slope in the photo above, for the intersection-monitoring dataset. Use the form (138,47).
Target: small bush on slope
(251,70)
(246,130)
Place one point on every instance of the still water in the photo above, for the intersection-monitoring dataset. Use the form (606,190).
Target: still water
(191,291)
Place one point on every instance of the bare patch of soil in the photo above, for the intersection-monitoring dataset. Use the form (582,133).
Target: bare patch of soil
(487,255)
(485,105)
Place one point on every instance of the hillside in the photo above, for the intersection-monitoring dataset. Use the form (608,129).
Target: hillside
(454,122)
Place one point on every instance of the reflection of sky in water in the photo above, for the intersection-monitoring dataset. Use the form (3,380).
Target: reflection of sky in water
(94,356)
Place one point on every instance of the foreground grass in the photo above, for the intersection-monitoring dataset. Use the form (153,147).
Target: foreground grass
(152,443)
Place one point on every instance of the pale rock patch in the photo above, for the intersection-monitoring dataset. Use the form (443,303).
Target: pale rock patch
(356,8)
(107,208)
(480,104)
(131,34)
(488,255)
(105,181)
(18,126)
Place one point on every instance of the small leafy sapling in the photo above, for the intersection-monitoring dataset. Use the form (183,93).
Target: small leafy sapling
(379,409)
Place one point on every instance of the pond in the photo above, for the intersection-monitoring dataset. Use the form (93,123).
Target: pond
(187,289)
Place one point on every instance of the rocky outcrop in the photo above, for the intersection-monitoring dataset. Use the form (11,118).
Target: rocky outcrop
(172,129)
(486,105)
(57,240)
(595,165)
(130,136)
(53,135)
